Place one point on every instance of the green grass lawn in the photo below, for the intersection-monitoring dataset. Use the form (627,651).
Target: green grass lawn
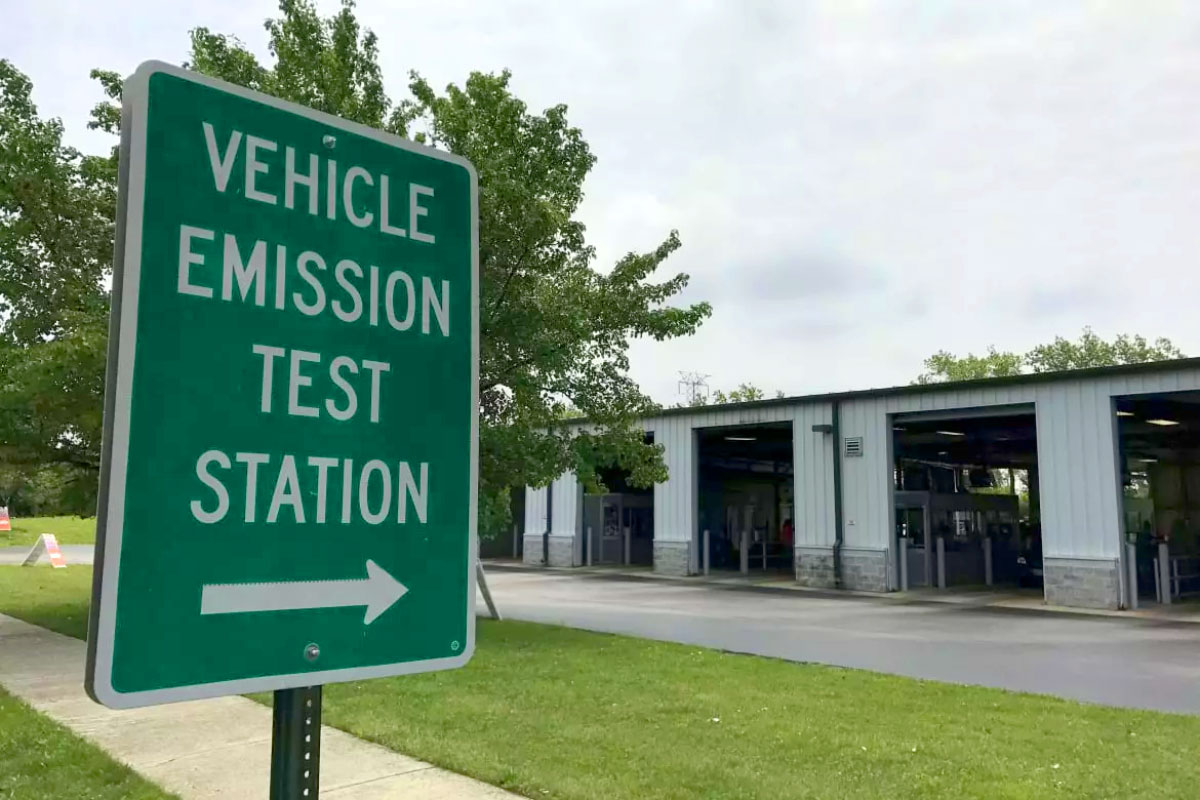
(68,530)
(40,759)
(555,712)
(57,599)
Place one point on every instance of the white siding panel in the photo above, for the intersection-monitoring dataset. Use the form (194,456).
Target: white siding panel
(675,499)
(812,464)
(1170,381)
(535,510)
(1063,486)
(564,512)
(1053,462)
(715,418)
(866,480)
(1096,433)
(1079,473)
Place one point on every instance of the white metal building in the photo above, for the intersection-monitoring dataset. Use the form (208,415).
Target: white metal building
(1102,456)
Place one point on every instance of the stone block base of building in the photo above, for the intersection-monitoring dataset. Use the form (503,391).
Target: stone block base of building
(865,570)
(561,546)
(671,558)
(1083,583)
(531,550)
(562,550)
(814,567)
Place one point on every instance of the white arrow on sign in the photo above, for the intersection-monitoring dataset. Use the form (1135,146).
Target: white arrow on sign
(378,591)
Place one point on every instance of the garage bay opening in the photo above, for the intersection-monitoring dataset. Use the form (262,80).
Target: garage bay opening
(966,499)
(618,525)
(746,497)
(1160,457)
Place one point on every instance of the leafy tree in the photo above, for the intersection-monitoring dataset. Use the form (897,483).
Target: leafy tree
(56,229)
(1061,354)
(744,393)
(1092,351)
(554,331)
(50,489)
(12,484)
(944,366)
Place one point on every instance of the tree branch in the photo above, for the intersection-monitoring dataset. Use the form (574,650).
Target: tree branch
(524,362)
(512,271)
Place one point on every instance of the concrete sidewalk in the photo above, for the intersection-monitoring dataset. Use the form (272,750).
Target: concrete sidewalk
(210,748)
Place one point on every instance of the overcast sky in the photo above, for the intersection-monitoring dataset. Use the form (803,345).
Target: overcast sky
(857,184)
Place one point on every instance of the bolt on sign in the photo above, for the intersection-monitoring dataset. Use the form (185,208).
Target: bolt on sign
(288,491)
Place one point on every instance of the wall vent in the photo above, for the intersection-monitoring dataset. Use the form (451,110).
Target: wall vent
(854,446)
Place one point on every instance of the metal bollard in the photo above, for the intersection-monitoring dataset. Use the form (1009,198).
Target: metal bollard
(516,542)
(706,555)
(591,546)
(627,537)
(987,560)
(745,552)
(903,541)
(941,562)
(1131,572)
(1164,566)
(1175,580)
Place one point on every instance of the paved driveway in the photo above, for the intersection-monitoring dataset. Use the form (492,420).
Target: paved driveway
(74,553)
(1110,660)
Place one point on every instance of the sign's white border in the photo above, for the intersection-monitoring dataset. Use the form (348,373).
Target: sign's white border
(122,349)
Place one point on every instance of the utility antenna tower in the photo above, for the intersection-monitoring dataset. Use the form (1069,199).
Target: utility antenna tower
(693,386)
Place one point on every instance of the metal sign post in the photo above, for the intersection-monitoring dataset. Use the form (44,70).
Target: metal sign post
(296,744)
(481,578)
(289,462)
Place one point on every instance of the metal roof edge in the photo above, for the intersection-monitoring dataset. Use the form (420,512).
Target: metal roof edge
(918,388)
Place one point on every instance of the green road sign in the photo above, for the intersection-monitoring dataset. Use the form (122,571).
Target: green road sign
(288,490)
